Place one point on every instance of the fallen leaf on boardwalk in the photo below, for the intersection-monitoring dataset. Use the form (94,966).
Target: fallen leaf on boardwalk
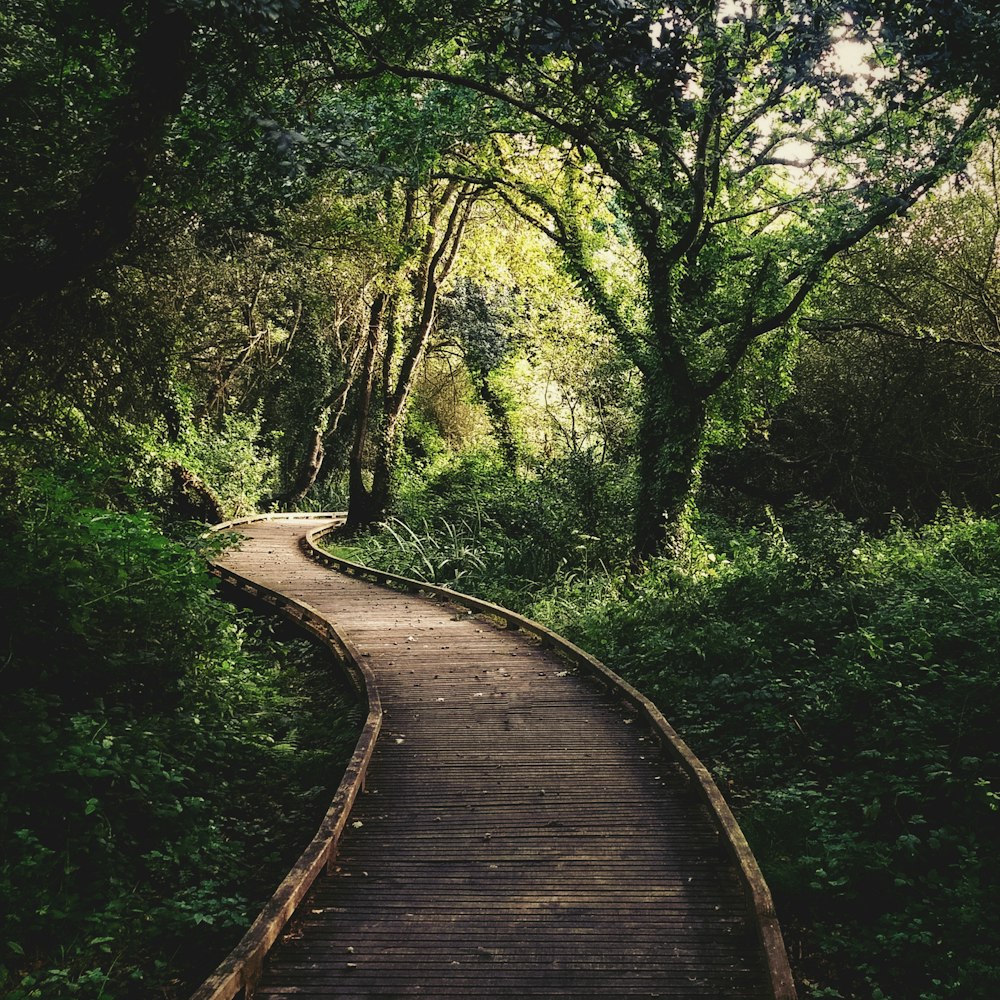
(479,694)
(357,824)
(562,673)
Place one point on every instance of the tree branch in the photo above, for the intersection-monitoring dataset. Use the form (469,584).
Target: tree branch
(890,208)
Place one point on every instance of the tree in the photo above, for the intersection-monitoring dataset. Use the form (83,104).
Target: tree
(515,330)
(896,402)
(934,275)
(122,123)
(93,98)
(388,150)
(953,41)
(70,214)
(402,317)
(483,320)
(739,147)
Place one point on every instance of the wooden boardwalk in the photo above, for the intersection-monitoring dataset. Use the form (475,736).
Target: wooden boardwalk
(522,832)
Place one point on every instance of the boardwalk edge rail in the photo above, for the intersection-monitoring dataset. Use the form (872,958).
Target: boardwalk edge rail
(761,903)
(241,969)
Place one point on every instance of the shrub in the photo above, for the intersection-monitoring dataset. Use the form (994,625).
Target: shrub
(843,689)
(483,528)
(230,461)
(160,761)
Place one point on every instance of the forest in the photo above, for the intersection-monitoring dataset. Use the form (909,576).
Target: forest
(674,326)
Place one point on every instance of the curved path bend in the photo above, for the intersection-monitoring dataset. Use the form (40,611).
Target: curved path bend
(523,832)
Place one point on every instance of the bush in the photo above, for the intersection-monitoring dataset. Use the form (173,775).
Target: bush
(843,689)
(160,761)
(483,528)
(229,459)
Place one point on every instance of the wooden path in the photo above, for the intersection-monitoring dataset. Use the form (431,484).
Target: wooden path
(523,832)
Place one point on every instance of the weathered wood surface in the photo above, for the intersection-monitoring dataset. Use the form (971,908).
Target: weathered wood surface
(521,833)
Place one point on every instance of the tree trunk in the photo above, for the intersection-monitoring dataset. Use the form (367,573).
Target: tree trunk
(384,474)
(305,477)
(360,510)
(327,423)
(503,429)
(193,498)
(671,438)
(435,267)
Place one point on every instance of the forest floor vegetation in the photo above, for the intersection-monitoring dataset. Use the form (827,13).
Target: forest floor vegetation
(163,759)
(841,686)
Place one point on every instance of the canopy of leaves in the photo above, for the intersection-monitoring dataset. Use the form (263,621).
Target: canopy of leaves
(895,402)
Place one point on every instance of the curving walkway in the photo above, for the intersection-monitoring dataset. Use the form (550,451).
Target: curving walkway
(522,832)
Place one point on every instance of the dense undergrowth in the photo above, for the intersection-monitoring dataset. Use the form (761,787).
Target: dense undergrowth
(492,533)
(162,758)
(842,687)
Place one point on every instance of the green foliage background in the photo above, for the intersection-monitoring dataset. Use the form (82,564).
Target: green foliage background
(211,265)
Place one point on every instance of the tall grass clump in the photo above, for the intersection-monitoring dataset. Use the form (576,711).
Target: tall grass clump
(480,528)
